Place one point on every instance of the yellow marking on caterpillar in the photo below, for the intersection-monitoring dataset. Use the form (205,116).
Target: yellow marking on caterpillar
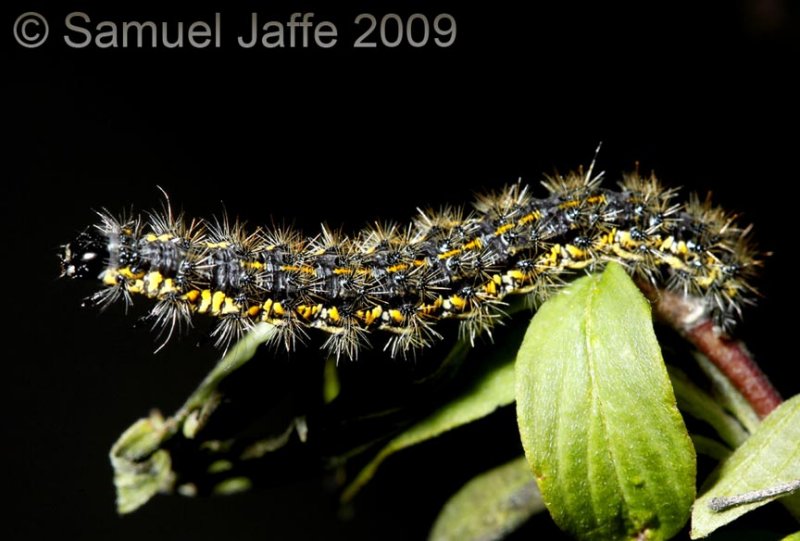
(164,237)
(126,272)
(490,287)
(606,239)
(458,302)
(503,228)
(278,309)
(533,216)
(110,277)
(168,287)
(333,314)
(397,268)
(229,306)
(369,316)
(551,259)
(521,290)
(624,239)
(304,269)
(674,262)
(449,253)
(396,315)
(137,286)
(307,312)
(221,244)
(153,281)
(625,254)
(432,308)
(253,311)
(732,289)
(342,270)
(574,252)
(474,244)
(516,274)
(569,204)
(216,302)
(257,265)
(267,307)
(578,265)
(205,301)
(192,296)
(596,199)
(707,281)
(375,314)
(680,248)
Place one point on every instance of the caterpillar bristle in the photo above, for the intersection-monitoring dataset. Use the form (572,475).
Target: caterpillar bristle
(169,315)
(573,184)
(503,205)
(280,237)
(403,279)
(229,329)
(347,339)
(289,332)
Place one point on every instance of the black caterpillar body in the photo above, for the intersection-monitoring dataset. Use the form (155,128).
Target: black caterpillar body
(401,280)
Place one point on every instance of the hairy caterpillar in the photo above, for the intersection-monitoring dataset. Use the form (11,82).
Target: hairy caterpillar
(403,279)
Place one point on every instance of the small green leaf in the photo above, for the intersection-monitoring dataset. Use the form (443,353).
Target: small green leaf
(141,468)
(220,466)
(234,485)
(331,386)
(727,395)
(711,448)
(696,402)
(792,537)
(490,506)
(494,390)
(768,459)
(597,414)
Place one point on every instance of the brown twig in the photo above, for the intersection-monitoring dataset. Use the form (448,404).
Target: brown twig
(730,356)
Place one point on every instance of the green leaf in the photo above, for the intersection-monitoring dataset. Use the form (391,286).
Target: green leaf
(769,458)
(233,485)
(494,390)
(792,537)
(490,506)
(709,447)
(694,401)
(331,386)
(597,414)
(141,468)
(727,395)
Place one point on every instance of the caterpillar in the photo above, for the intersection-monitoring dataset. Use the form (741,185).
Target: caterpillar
(400,280)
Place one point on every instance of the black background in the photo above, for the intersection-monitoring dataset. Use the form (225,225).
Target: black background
(702,94)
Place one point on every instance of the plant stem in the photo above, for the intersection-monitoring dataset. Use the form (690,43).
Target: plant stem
(730,356)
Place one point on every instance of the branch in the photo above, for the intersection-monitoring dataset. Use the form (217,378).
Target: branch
(687,316)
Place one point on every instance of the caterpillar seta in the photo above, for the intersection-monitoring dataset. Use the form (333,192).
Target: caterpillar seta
(400,280)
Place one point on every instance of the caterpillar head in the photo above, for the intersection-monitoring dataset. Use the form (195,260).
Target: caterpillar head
(84,257)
